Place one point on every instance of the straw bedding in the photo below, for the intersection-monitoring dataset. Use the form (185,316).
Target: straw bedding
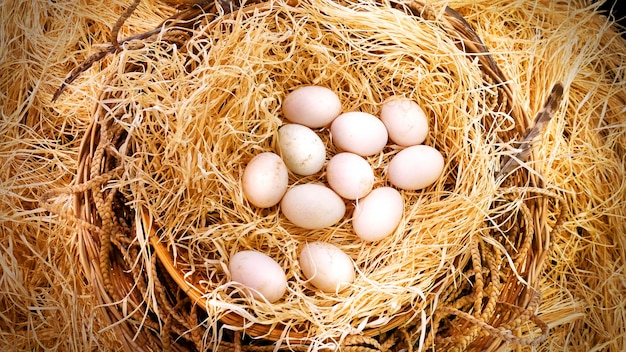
(475,251)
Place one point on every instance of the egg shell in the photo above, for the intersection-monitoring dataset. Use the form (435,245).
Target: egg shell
(301,148)
(311,106)
(405,121)
(312,206)
(260,273)
(265,180)
(326,266)
(415,167)
(350,175)
(378,215)
(359,132)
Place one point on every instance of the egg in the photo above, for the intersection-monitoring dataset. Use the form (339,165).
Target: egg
(405,121)
(378,215)
(311,106)
(415,167)
(350,175)
(301,148)
(312,206)
(261,275)
(359,132)
(265,180)
(326,266)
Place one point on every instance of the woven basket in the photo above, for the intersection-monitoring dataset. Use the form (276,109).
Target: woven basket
(495,307)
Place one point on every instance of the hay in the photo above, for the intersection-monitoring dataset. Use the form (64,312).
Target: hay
(45,302)
(582,285)
(176,127)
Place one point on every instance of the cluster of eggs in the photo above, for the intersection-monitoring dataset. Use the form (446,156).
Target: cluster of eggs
(349,176)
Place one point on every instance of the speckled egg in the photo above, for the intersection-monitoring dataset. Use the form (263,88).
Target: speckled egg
(301,148)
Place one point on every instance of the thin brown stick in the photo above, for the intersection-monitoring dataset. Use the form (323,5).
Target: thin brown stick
(120,22)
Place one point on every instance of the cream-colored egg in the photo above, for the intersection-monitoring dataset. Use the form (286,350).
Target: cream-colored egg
(350,175)
(415,167)
(359,132)
(326,266)
(265,180)
(378,215)
(406,122)
(260,274)
(301,148)
(311,106)
(312,206)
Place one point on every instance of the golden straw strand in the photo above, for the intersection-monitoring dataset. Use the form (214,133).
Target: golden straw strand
(67,215)
(527,237)
(96,181)
(464,301)
(526,313)
(164,308)
(192,322)
(104,208)
(106,247)
(478,276)
(495,284)
(164,305)
(166,338)
(465,339)
(502,333)
(353,340)
(433,333)
(529,316)
(181,329)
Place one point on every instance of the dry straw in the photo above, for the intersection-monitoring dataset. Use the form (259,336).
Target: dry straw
(478,262)
(162,210)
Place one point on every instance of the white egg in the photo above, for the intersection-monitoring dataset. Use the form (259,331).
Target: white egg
(415,167)
(359,132)
(259,273)
(265,180)
(312,206)
(350,175)
(326,266)
(406,122)
(378,215)
(301,148)
(311,106)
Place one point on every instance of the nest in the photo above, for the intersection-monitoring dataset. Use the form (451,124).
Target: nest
(185,107)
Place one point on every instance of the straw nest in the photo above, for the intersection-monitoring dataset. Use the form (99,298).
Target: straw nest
(159,182)
(481,261)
